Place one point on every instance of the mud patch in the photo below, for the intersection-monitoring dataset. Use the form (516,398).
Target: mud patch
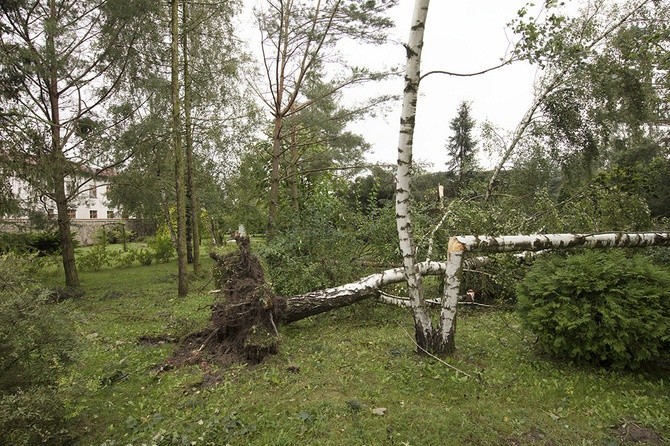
(157,340)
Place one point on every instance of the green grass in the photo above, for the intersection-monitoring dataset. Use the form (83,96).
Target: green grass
(330,374)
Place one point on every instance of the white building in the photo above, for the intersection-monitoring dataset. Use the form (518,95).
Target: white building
(89,210)
(90,203)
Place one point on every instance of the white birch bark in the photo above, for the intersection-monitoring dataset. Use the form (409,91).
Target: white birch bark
(537,242)
(452,285)
(422,323)
(315,302)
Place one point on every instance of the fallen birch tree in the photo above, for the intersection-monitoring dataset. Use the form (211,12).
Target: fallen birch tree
(247,314)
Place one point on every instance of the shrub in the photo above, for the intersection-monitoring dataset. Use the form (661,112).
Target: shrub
(113,234)
(19,271)
(36,341)
(496,278)
(125,259)
(327,245)
(144,256)
(43,243)
(94,258)
(599,308)
(162,247)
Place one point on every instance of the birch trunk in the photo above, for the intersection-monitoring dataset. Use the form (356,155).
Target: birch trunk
(452,285)
(422,323)
(537,242)
(321,301)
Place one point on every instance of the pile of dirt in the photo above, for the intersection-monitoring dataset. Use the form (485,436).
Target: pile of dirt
(243,324)
(632,433)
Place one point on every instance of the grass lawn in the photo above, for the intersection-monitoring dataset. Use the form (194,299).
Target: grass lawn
(348,377)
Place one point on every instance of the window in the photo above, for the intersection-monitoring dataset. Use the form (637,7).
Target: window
(72,213)
(93,213)
(110,214)
(50,212)
(93,191)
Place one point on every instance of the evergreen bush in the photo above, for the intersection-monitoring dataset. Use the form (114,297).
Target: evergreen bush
(603,308)
(42,242)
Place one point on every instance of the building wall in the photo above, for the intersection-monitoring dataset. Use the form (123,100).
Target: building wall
(91,203)
(83,229)
(90,210)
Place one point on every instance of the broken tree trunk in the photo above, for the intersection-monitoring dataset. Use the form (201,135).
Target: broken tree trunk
(537,242)
(315,302)
(459,245)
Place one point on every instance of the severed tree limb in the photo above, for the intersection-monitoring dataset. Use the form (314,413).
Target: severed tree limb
(538,242)
(315,302)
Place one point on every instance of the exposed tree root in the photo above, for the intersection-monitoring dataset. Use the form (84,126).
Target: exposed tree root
(242,326)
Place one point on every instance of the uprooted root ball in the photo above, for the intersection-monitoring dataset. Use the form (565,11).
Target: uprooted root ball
(244,318)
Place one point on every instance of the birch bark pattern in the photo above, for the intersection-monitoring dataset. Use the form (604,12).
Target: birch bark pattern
(537,242)
(315,302)
(452,286)
(422,324)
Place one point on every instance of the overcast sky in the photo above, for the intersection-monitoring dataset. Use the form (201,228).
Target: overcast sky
(466,36)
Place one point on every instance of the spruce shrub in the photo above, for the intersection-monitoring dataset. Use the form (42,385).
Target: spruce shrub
(42,242)
(602,308)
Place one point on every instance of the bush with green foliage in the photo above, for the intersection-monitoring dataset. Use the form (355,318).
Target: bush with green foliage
(36,342)
(125,259)
(113,234)
(603,308)
(496,278)
(162,247)
(329,244)
(43,242)
(94,258)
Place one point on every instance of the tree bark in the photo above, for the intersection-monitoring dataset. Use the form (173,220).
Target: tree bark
(422,323)
(537,242)
(275,175)
(58,158)
(321,301)
(192,211)
(182,287)
(452,287)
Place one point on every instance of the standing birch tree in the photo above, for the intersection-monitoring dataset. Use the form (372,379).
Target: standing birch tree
(423,330)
